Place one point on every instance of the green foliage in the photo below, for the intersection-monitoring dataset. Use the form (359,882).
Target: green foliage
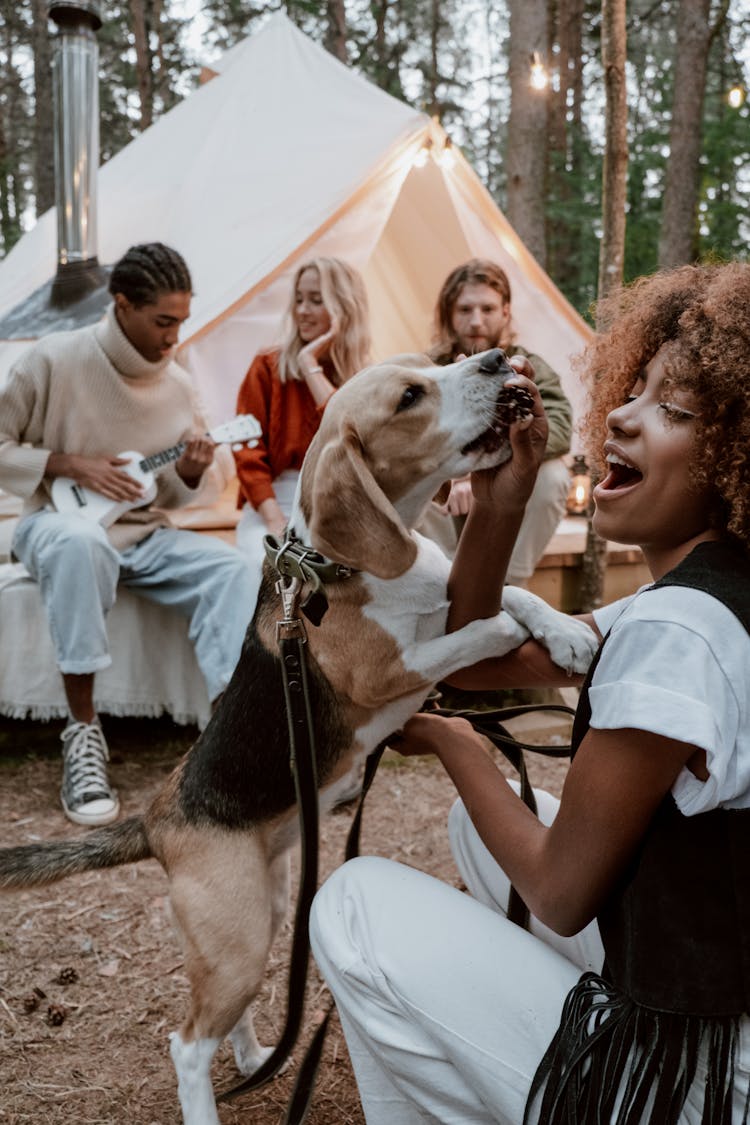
(16,121)
(447,57)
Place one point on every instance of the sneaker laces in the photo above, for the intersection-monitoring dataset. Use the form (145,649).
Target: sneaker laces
(85,754)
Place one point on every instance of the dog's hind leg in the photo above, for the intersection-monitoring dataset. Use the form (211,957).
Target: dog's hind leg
(248,1052)
(222,902)
(192,1062)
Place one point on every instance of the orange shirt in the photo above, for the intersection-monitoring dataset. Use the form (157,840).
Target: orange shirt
(289,419)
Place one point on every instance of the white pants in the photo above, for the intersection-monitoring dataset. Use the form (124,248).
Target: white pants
(448,1007)
(252,529)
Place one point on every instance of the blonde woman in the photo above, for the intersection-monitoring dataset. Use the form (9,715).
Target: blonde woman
(326,340)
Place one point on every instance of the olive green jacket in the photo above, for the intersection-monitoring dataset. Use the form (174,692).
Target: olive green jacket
(556,403)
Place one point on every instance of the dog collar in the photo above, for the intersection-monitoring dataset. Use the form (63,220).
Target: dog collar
(292,559)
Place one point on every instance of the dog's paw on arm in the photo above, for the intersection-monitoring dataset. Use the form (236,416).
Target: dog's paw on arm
(571,643)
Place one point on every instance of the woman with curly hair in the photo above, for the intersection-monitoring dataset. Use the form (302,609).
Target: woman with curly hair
(326,340)
(627,1000)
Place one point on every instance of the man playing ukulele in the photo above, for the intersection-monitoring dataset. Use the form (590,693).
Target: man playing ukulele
(106,387)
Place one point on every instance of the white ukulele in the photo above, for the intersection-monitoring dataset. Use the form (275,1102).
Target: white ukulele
(72,498)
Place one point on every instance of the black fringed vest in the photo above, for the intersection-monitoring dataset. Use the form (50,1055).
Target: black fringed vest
(676,934)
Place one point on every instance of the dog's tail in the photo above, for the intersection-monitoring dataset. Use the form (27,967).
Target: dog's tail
(33,865)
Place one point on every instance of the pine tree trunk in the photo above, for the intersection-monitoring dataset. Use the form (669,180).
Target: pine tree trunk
(615,171)
(612,248)
(336,33)
(44,142)
(678,238)
(143,61)
(564,239)
(526,153)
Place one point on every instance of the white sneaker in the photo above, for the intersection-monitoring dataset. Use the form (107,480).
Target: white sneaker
(86,794)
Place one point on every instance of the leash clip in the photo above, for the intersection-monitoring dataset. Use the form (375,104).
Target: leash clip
(290,625)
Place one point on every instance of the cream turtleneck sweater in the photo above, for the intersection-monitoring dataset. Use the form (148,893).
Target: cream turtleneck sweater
(91,392)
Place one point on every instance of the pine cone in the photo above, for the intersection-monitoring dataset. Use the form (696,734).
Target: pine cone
(56,1014)
(66,976)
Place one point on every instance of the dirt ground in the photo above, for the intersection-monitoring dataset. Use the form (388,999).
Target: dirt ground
(91,978)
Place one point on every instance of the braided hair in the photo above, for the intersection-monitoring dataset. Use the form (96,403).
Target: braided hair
(148,270)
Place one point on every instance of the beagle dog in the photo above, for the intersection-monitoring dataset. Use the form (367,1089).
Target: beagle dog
(224,822)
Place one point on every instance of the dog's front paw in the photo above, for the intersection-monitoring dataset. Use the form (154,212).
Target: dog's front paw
(571,644)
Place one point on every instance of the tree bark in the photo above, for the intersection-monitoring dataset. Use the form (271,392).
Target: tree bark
(44,142)
(336,31)
(678,237)
(615,170)
(612,247)
(143,58)
(564,153)
(526,152)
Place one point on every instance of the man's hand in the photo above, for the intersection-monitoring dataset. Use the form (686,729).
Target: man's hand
(196,458)
(459,498)
(99,474)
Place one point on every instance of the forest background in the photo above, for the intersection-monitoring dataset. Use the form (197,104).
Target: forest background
(540,151)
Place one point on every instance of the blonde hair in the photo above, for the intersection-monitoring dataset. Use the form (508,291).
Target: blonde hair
(345,299)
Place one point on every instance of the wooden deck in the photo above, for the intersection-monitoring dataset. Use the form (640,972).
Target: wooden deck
(557,578)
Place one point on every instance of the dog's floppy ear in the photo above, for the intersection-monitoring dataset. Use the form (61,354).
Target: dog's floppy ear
(352,520)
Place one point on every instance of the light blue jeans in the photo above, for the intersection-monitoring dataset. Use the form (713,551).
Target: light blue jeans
(78,570)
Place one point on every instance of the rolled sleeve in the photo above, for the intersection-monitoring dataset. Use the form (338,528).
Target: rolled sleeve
(669,677)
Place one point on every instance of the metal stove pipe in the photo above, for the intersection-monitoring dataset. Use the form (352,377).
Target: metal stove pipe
(75,71)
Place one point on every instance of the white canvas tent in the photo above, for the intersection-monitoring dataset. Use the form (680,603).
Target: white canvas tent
(283,154)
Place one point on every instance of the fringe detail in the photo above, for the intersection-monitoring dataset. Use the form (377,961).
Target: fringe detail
(614,1062)
(46,712)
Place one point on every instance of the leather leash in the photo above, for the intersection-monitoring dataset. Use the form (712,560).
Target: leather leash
(298,565)
(290,632)
(291,637)
(491,725)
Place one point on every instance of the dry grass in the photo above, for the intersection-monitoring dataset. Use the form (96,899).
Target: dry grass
(107,1061)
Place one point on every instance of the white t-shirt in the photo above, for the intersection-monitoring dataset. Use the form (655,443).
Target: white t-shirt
(677,663)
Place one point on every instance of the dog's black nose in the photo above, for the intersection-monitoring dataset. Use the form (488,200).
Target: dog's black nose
(493,362)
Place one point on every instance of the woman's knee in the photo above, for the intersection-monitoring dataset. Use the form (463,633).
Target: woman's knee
(342,904)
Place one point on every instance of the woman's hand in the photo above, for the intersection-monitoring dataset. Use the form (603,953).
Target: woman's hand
(319,385)
(432,734)
(510,484)
(273,517)
(310,356)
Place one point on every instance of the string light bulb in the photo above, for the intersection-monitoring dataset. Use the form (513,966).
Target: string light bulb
(423,154)
(736,96)
(447,157)
(538,76)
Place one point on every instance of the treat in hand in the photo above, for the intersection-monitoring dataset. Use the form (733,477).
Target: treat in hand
(513,404)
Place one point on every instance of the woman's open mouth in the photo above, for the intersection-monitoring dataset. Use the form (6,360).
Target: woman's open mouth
(622,474)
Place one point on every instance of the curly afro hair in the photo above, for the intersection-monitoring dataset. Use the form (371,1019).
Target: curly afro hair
(705,312)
